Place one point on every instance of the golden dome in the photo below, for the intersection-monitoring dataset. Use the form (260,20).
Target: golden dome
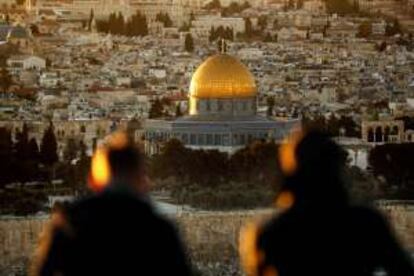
(222,76)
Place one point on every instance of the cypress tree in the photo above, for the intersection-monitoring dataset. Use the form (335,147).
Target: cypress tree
(189,43)
(48,147)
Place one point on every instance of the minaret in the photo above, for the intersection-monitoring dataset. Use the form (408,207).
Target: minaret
(222,46)
(28,5)
(94,29)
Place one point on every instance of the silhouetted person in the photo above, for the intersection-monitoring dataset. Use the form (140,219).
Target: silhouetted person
(114,232)
(320,233)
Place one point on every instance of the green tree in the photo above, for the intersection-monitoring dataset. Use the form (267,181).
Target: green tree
(393,162)
(156,110)
(365,29)
(178,112)
(91,18)
(48,147)
(248,27)
(22,143)
(213,5)
(120,24)
(234,8)
(137,25)
(25,156)
(6,156)
(34,29)
(340,7)
(189,43)
(268,38)
(393,28)
(172,162)
(165,19)
(33,150)
(262,22)
(71,150)
(5,80)
(112,23)
(221,33)
(381,47)
(185,27)
(270,105)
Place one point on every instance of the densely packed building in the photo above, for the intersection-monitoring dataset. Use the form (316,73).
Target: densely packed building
(308,61)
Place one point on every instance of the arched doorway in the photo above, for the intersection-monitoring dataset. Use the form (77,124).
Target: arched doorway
(387,132)
(378,134)
(370,136)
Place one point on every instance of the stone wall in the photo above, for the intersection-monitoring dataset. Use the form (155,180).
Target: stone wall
(214,236)
(402,219)
(211,237)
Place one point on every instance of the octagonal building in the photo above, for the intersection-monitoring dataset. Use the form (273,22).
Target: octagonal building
(222,112)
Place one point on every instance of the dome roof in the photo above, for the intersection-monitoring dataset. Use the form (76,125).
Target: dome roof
(222,76)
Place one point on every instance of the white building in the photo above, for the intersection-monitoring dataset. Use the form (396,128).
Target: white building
(159,73)
(49,79)
(178,10)
(314,6)
(291,34)
(250,54)
(378,28)
(202,25)
(25,62)
(124,81)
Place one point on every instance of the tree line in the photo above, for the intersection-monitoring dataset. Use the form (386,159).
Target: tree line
(24,160)
(255,163)
(342,7)
(221,33)
(165,19)
(116,24)
(392,28)
(248,178)
(393,163)
(333,125)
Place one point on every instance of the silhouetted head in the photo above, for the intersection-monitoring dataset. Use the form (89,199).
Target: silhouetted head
(127,166)
(119,163)
(312,165)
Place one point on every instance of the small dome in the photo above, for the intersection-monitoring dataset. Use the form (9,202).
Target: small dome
(222,76)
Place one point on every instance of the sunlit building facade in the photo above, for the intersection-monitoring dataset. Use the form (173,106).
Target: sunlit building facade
(222,112)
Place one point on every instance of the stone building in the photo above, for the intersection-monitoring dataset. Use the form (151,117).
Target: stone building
(222,112)
(90,132)
(387,131)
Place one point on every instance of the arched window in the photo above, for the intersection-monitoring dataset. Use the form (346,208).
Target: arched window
(209,140)
(378,134)
(387,132)
(82,129)
(193,139)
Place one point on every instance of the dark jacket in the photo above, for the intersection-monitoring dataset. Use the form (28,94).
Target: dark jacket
(331,241)
(114,233)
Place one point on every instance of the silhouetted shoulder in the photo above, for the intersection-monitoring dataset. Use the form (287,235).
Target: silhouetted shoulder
(366,213)
(106,228)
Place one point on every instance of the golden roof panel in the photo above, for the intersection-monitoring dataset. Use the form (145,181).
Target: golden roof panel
(222,76)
